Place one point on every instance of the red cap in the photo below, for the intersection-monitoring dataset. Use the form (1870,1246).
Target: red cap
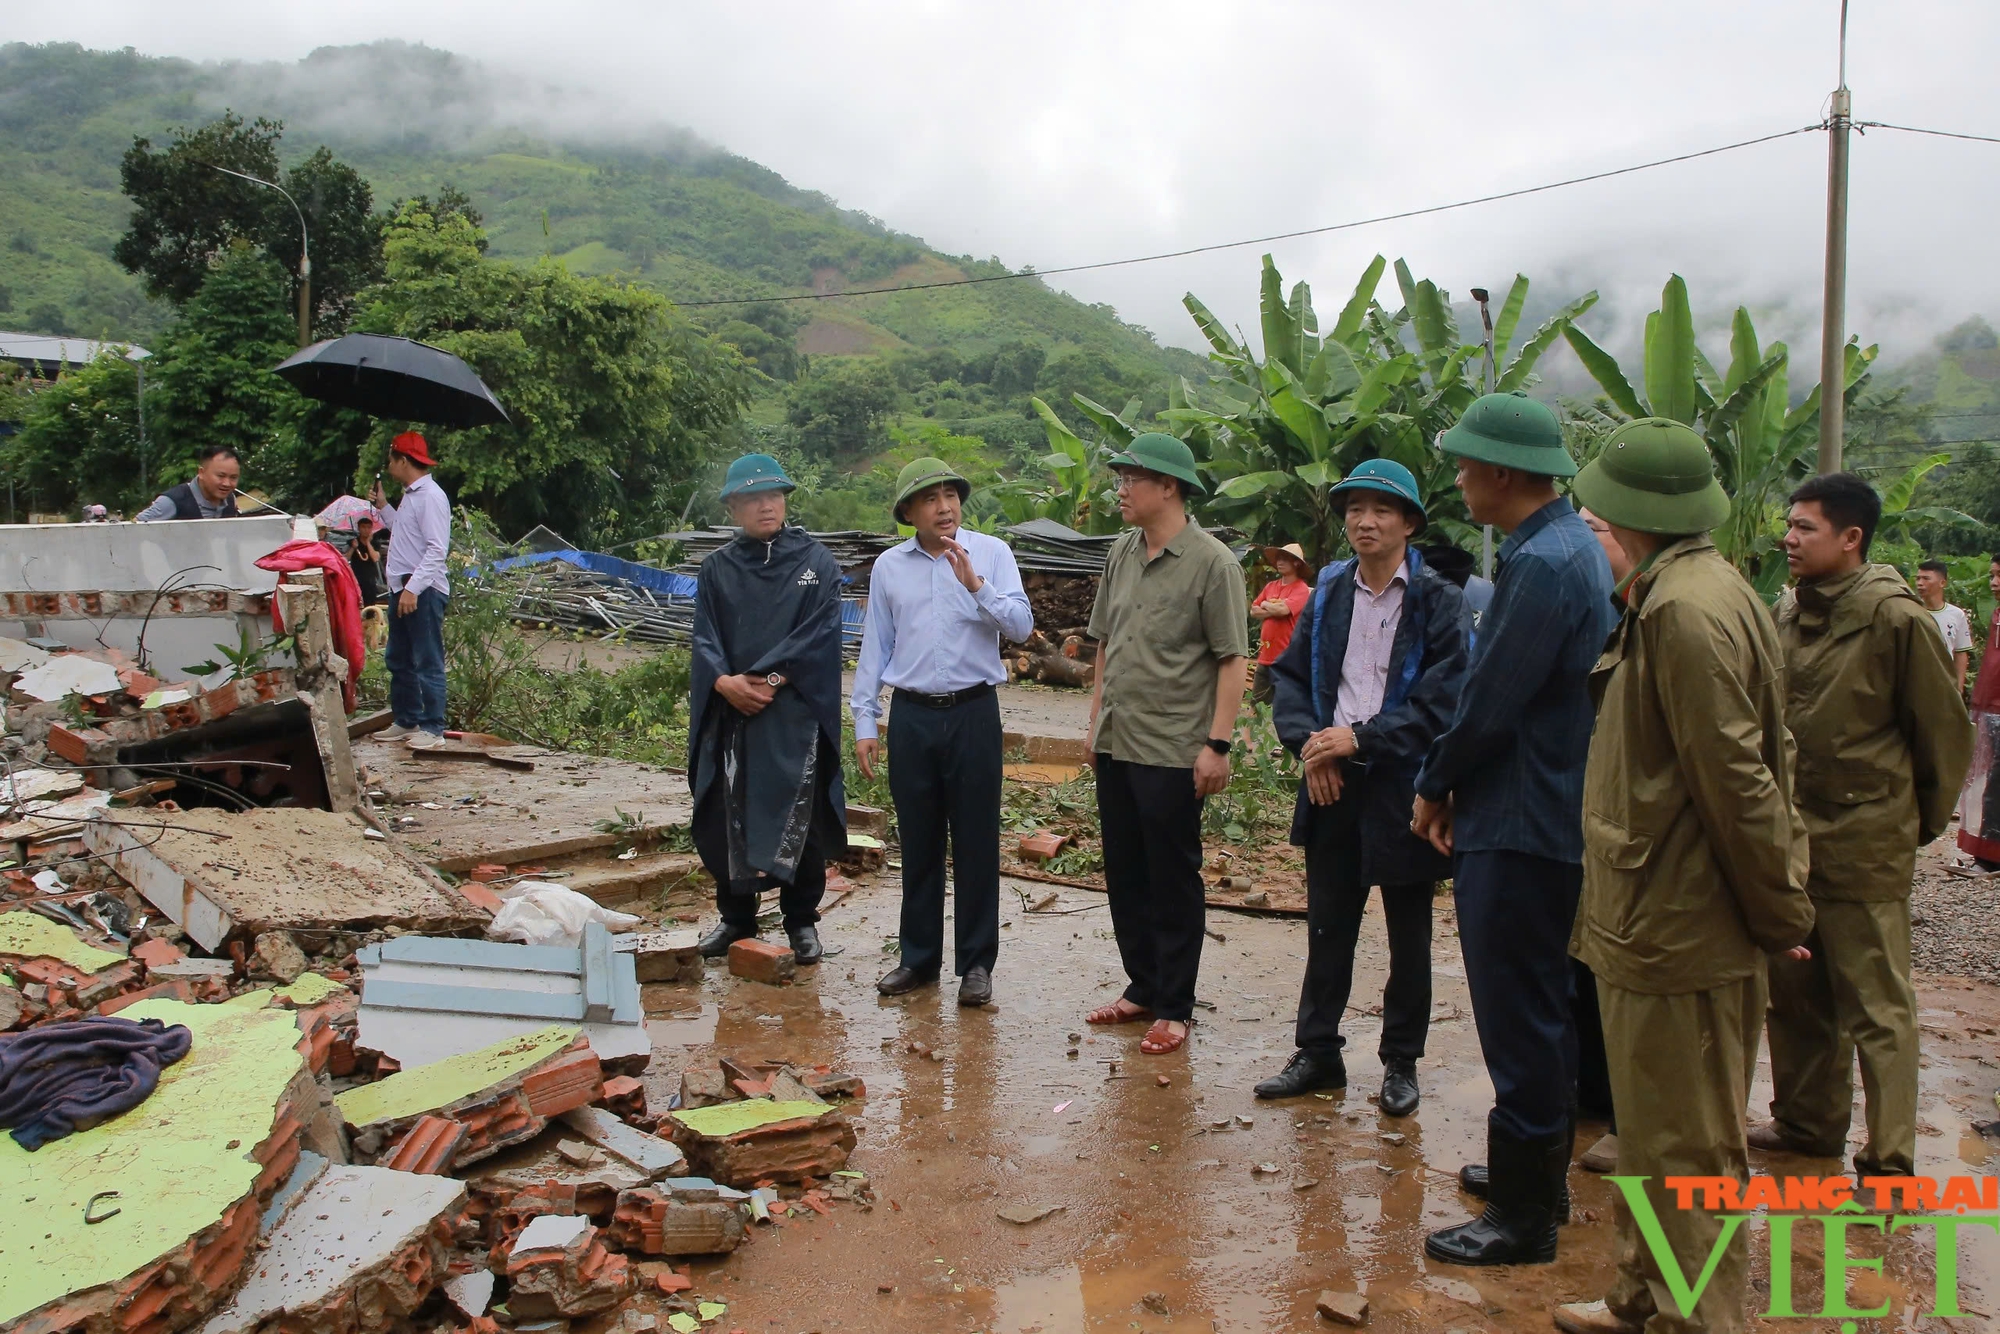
(413,447)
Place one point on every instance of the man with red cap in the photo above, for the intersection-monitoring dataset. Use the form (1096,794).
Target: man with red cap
(419,537)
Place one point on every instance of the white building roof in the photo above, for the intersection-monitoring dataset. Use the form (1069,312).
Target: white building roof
(46,355)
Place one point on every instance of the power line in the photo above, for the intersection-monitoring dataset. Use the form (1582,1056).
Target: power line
(1914,129)
(1267,240)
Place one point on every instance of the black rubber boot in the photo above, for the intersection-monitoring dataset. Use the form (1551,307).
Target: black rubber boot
(1519,1226)
(1472,1178)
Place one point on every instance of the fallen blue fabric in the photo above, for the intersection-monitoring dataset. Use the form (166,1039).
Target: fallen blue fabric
(61,1078)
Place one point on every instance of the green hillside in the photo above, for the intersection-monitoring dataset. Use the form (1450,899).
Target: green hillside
(692,221)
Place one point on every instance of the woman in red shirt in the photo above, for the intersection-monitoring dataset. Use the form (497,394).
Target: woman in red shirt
(1278,607)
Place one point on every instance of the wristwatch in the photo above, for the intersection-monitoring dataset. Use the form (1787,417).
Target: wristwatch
(1219,745)
(774,680)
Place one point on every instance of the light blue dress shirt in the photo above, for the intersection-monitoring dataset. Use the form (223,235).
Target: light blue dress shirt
(926,633)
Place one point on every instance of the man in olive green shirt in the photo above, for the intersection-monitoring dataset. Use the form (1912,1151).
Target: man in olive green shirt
(1171,623)
(1694,865)
(1884,741)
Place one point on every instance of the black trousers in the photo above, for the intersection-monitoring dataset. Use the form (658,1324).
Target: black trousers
(1151,820)
(1593,1069)
(1336,897)
(944,775)
(1514,917)
(799,900)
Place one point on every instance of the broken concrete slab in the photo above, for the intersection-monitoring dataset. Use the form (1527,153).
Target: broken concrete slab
(221,873)
(742,1143)
(662,956)
(66,674)
(639,878)
(650,1155)
(426,999)
(364,1248)
(54,819)
(197,1164)
(471,1293)
(502,1094)
(37,785)
(27,935)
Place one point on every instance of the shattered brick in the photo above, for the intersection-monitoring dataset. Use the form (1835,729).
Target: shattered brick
(173,989)
(428,1147)
(623,1097)
(154,952)
(654,1224)
(575,1079)
(762,961)
(81,745)
(578,1278)
(704,1088)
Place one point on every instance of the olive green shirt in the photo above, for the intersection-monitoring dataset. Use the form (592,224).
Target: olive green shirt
(1166,624)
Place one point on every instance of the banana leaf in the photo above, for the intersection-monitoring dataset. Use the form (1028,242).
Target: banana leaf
(1509,317)
(1523,365)
(1348,326)
(1214,330)
(1670,385)
(1604,369)
(1106,421)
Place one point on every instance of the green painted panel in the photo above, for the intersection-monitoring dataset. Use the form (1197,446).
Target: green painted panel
(310,989)
(441,1083)
(728,1118)
(179,1160)
(32,936)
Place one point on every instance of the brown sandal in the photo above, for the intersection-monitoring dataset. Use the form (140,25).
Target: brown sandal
(1120,1011)
(1163,1041)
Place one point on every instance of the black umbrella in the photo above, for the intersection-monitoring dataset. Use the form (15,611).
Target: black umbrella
(395,378)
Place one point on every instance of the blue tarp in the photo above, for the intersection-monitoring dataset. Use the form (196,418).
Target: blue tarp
(646,576)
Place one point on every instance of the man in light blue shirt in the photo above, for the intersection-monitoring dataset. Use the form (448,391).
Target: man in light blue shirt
(937,607)
(419,540)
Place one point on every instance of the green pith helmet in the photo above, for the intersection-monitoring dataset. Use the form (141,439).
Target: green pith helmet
(1390,478)
(1653,476)
(918,474)
(753,473)
(1511,431)
(1156,451)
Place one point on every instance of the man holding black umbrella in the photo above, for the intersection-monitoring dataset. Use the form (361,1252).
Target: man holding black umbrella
(419,539)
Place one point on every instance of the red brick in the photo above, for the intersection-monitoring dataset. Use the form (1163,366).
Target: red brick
(173,989)
(488,871)
(571,1080)
(1040,847)
(155,952)
(479,896)
(219,702)
(76,744)
(671,1283)
(429,1147)
(762,961)
(624,1097)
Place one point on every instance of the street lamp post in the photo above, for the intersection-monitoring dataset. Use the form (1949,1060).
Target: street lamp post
(305,259)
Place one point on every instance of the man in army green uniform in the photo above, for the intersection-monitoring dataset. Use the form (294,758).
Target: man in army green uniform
(1883,741)
(1694,862)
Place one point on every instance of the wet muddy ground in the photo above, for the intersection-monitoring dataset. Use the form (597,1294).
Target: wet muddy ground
(1165,1219)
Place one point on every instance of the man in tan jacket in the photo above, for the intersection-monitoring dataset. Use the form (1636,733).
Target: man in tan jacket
(1694,864)
(1883,741)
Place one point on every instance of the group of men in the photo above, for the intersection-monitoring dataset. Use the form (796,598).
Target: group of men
(411,574)
(1673,819)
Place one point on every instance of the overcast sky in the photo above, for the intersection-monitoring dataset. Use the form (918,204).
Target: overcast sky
(1053,134)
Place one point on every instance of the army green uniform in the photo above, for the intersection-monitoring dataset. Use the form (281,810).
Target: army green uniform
(1694,868)
(1883,742)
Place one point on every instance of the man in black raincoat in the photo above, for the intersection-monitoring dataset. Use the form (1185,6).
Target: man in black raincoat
(1370,679)
(764,718)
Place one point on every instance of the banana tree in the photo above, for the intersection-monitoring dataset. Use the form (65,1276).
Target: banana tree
(1077,491)
(1276,435)
(1762,447)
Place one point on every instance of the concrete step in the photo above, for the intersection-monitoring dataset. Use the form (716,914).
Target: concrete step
(623,882)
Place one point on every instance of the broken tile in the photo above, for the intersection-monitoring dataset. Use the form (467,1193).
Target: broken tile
(27,935)
(740,1143)
(650,1155)
(471,1293)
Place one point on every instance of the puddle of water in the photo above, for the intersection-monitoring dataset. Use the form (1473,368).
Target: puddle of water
(1050,1302)
(690,1030)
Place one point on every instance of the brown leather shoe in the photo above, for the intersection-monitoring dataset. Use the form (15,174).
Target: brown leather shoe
(1770,1138)
(1593,1318)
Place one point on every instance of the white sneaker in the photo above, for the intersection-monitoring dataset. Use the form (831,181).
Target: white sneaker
(394,732)
(424,741)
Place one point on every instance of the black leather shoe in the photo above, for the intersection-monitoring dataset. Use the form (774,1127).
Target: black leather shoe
(806,949)
(975,988)
(1519,1226)
(902,980)
(1306,1072)
(1399,1088)
(715,944)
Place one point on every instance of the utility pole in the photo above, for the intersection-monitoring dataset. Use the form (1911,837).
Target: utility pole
(1482,296)
(1833,312)
(305,259)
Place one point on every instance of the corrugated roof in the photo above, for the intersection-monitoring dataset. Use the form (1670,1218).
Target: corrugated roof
(42,350)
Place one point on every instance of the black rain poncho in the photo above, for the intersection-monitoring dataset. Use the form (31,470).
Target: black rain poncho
(762,784)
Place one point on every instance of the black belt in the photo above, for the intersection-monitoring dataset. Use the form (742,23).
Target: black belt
(945,701)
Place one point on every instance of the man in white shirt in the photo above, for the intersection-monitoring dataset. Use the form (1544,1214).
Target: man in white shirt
(419,538)
(938,605)
(1932,576)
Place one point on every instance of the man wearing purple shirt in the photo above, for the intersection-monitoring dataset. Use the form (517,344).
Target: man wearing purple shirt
(419,537)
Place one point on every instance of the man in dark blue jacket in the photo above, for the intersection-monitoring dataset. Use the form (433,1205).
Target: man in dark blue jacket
(1502,791)
(1370,679)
